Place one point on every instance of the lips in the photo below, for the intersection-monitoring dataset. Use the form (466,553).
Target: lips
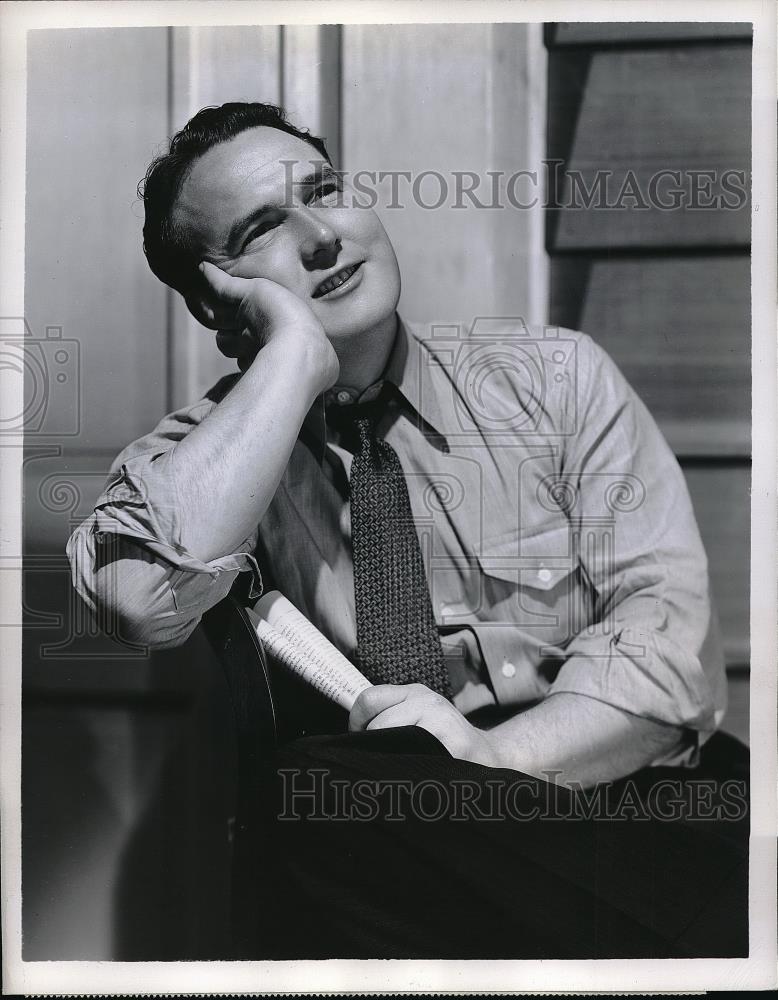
(336,280)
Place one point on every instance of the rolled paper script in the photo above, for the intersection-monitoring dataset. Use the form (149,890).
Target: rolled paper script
(301,647)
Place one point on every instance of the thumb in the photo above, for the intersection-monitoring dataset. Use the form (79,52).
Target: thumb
(224,286)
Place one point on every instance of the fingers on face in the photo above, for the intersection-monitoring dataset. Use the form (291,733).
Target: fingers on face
(220,284)
(216,303)
(213,314)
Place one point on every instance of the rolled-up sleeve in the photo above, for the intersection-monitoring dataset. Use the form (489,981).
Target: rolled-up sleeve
(654,649)
(126,559)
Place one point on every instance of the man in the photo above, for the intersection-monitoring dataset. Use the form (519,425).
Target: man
(495,527)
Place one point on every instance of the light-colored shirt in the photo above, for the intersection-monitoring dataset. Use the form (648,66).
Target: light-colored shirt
(561,549)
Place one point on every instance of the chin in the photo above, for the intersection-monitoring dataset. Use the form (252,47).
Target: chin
(363,313)
(355,326)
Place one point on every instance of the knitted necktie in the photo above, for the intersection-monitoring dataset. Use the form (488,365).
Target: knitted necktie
(397,640)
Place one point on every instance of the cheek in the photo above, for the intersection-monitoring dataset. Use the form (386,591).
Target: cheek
(363,227)
(389,270)
(374,238)
(277,263)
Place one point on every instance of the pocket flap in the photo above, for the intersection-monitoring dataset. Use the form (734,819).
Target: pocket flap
(540,560)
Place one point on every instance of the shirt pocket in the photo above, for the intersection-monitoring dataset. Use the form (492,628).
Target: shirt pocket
(535,583)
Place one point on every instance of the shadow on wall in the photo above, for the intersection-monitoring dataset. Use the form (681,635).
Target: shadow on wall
(126,801)
(72,826)
(171,899)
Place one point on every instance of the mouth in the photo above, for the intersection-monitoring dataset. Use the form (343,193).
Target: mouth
(342,281)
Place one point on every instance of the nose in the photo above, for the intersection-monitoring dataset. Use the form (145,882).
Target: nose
(320,244)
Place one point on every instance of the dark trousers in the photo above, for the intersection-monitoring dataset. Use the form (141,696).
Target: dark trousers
(381,845)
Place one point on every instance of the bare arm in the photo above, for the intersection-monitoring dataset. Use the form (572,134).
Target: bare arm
(582,739)
(228,468)
(566,738)
(174,527)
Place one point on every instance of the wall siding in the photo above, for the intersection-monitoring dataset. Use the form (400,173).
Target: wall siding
(666,293)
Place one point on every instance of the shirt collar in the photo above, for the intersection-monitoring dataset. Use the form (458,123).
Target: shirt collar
(406,371)
(412,368)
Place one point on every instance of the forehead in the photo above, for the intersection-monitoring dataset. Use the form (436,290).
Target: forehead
(236,176)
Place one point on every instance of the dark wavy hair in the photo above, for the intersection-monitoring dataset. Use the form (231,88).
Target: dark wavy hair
(169,248)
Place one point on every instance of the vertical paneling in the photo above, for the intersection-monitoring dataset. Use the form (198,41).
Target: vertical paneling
(720,493)
(97,111)
(441,99)
(310,92)
(126,753)
(128,760)
(238,63)
(666,290)
(97,108)
(209,66)
(738,714)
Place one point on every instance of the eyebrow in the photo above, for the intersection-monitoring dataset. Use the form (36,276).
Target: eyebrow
(316,176)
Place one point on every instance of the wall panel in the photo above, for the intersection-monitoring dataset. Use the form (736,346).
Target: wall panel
(677,327)
(127,768)
(128,756)
(439,99)
(310,86)
(94,122)
(665,291)
(738,715)
(721,495)
(675,108)
(209,66)
(643,32)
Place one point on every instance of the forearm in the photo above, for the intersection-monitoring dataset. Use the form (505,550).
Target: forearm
(227,469)
(583,739)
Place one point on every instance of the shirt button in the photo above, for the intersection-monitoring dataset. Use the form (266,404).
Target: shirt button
(344,397)
(544,575)
(508,669)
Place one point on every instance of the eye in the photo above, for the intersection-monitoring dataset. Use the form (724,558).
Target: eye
(326,193)
(264,227)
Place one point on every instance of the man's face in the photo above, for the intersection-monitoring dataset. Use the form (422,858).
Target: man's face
(258,217)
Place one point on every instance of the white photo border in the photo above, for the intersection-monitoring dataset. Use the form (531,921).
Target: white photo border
(758,971)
